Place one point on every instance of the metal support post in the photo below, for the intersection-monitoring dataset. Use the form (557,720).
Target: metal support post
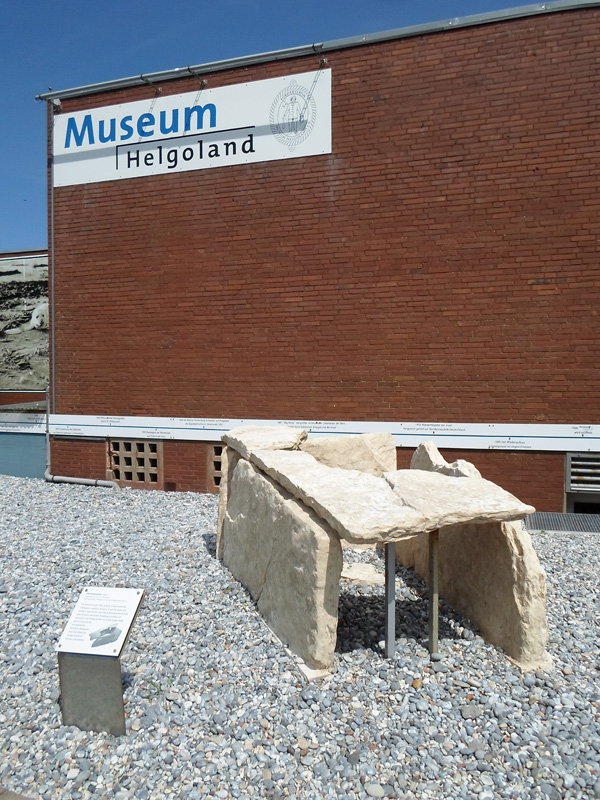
(434,537)
(390,599)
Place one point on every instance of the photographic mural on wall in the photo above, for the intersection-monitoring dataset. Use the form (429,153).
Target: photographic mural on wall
(24,322)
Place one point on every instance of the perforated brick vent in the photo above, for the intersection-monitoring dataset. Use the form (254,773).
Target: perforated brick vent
(216,466)
(138,464)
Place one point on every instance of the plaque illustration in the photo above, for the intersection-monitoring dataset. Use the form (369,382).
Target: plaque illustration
(105,636)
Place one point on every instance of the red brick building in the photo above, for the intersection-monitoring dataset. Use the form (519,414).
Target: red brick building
(434,261)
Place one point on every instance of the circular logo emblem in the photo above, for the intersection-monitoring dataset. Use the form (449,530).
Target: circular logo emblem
(293,115)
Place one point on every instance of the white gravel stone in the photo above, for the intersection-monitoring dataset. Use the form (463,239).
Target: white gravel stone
(217,708)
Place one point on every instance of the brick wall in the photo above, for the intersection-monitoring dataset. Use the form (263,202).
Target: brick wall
(13,398)
(186,465)
(535,478)
(439,265)
(78,459)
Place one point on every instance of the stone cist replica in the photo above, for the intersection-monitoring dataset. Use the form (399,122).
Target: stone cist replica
(287,502)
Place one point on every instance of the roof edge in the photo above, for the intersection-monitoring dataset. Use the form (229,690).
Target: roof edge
(334,44)
(34,252)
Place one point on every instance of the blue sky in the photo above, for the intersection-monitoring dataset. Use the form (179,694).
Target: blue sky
(62,44)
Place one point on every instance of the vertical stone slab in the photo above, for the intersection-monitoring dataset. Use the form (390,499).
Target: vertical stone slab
(491,573)
(229,459)
(289,560)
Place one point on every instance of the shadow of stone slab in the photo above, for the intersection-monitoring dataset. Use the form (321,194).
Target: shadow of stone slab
(361,621)
(6,794)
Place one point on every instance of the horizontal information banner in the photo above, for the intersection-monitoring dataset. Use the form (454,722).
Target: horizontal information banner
(22,423)
(269,120)
(468,436)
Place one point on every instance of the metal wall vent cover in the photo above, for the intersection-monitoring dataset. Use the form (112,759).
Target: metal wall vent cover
(583,472)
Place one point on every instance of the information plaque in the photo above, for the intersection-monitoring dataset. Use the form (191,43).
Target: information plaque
(89,652)
(101,621)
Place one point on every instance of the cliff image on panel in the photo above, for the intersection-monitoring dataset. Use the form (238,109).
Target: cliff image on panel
(24,319)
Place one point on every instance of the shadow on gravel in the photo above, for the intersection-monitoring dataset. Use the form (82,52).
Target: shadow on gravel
(127,677)
(210,544)
(361,620)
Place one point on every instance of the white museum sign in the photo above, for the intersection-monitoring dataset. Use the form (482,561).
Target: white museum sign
(277,118)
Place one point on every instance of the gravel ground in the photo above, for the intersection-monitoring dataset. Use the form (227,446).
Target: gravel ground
(216,707)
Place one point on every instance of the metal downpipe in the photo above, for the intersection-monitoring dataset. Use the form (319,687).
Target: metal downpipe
(80,481)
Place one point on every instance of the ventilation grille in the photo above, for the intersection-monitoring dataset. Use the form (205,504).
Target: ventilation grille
(583,472)
(550,521)
(134,463)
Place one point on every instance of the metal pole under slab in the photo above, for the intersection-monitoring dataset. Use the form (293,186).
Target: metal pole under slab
(434,598)
(390,599)
(91,691)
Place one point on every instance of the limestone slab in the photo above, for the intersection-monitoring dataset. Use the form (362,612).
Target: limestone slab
(247,438)
(361,508)
(288,559)
(363,573)
(429,458)
(374,453)
(444,500)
